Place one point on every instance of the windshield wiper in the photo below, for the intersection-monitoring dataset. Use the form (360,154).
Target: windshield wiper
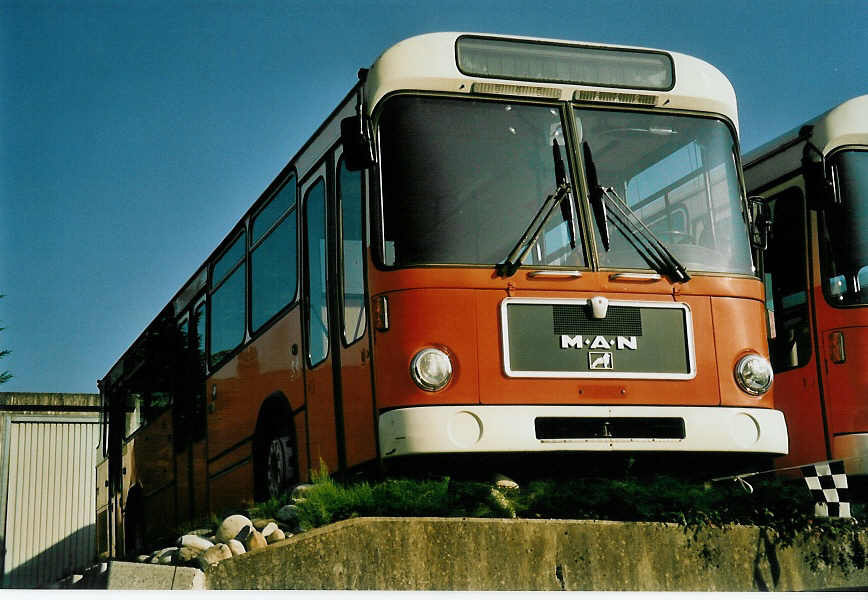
(560,197)
(629,224)
(664,260)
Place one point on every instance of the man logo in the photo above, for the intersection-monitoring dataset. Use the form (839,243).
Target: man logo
(600,361)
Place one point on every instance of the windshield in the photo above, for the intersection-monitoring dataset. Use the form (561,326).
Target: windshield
(461,180)
(845,231)
(678,175)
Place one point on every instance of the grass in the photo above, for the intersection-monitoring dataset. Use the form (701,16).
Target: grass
(782,505)
(784,509)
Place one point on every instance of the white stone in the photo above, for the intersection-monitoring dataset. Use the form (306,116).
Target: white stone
(213,555)
(502,481)
(194,541)
(244,533)
(187,555)
(255,540)
(236,547)
(230,527)
(269,529)
(275,536)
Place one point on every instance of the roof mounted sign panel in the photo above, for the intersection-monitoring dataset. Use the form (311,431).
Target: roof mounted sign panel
(604,66)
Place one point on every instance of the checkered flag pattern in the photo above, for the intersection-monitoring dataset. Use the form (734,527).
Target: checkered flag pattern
(828,484)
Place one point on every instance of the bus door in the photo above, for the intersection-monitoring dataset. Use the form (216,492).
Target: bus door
(338,378)
(324,420)
(791,334)
(354,375)
(189,417)
(841,292)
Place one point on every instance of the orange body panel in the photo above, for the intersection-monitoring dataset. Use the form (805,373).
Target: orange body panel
(739,328)
(358,402)
(460,310)
(844,383)
(265,367)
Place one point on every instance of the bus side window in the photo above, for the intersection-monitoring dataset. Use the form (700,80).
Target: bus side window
(316,253)
(273,274)
(198,421)
(786,281)
(228,296)
(353,299)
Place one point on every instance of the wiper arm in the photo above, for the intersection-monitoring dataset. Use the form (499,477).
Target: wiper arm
(508,267)
(560,197)
(628,223)
(664,259)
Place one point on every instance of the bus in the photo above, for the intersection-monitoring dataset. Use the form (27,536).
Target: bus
(815,181)
(493,246)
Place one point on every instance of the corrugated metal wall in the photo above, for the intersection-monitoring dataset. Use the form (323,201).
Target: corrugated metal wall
(50,500)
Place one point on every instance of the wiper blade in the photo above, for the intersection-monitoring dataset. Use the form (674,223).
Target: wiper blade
(628,221)
(560,197)
(596,196)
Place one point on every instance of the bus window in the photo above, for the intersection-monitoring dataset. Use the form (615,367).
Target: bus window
(316,255)
(786,282)
(272,259)
(353,300)
(227,301)
(677,173)
(465,187)
(844,243)
(134,418)
(198,420)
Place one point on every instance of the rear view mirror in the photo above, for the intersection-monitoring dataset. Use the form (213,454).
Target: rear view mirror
(358,153)
(760,222)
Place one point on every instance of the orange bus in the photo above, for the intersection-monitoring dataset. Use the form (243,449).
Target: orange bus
(815,180)
(493,245)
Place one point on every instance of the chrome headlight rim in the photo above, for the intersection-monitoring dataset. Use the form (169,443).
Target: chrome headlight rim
(423,379)
(745,383)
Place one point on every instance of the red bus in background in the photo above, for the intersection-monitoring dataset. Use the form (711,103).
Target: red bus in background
(815,180)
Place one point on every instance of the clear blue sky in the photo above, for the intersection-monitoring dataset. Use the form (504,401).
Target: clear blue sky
(134,134)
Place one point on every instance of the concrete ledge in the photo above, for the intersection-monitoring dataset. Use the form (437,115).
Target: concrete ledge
(517,554)
(139,576)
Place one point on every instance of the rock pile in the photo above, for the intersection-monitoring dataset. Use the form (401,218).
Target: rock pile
(236,535)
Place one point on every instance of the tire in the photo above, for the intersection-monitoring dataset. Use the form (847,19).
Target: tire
(275,460)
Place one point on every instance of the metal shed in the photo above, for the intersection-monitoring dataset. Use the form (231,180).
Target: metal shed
(47,486)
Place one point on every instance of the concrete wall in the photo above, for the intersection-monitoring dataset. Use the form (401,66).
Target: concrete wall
(504,554)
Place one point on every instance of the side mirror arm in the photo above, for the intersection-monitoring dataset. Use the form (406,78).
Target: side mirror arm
(760,222)
(356,134)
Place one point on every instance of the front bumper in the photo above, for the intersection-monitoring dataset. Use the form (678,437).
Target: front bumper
(485,428)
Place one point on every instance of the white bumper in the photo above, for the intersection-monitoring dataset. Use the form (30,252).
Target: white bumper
(485,428)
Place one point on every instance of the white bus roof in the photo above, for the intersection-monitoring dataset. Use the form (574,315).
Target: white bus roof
(844,125)
(429,62)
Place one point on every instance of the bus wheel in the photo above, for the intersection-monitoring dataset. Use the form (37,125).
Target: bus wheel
(275,469)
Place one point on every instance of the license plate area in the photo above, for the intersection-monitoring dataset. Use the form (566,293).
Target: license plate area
(582,428)
(564,338)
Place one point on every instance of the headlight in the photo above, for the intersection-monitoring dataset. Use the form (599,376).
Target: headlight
(431,369)
(753,373)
